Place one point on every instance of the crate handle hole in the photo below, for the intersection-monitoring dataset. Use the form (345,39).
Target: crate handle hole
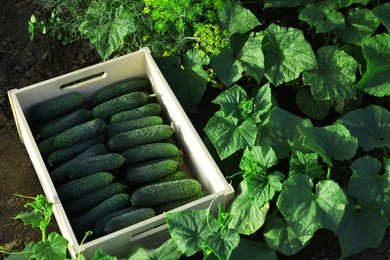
(83,81)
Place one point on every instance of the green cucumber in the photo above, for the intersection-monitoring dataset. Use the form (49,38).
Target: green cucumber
(52,108)
(87,201)
(98,227)
(120,88)
(128,219)
(76,188)
(177,203)
(118,128)
(150,172)
(65,122)
(177,175)
(160,193)
(150,151)
(145,135)
(63,155)
(109,108)
(78,133)
(86,221)
(149,109)
(46,146)
(99,163)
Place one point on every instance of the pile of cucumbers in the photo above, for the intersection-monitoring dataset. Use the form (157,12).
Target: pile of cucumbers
(114,161)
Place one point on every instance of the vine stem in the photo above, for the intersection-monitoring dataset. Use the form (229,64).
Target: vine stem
(328,173)
(385,152)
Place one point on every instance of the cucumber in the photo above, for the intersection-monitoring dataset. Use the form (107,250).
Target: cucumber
(177,203)
(99,163)
(78,133)
(145,135)
(46,146)
(128,219)
(120,88)
(150,151)
(117,128)
(177,175)
(76,188)
(150,172)
(84,222)
(160,193)
(149,109)
(56,107)
(65,122)
(89,200)
(109,108)
(98,227)
(63,155)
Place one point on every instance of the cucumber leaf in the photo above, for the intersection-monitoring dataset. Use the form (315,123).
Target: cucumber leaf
(313,108)
(362,226)
(376,187)
(168,251)
(286,54)
(323,20)
(335,76)
(243,55)
(27,253)
(305,211)
(361,24)
(346,3)
(376,80)
(245,215)
(286,3)
(54,247)
(223,243)
(236,19)
(343,106)
(228,135)
(305,163)
(230,101)
(258,159)
(330,142)
(248,249)
(382,12)
(106,27)
(371,126)
(280,237)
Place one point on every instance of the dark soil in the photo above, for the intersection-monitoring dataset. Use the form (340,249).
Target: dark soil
(23,63)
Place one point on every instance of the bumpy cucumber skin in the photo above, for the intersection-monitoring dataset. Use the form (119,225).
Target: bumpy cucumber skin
(128,219)
(77,117)
(176,203)
(87,201)
(78,133)
(149,109)
(118,128)
(177,175)
(160,193)
(46,146)
(99,163)
(150,151)
(150,134)
(56,107)
(109,108)
(120,88)
(150,172)
(63,155)
(76,188)
(109,205)
(98,227)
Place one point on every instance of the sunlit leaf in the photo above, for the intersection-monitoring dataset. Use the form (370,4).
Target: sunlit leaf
(258,159)
(168,251)
(305,164)
(223,243)
(286,3)
(323,20)
(54,247)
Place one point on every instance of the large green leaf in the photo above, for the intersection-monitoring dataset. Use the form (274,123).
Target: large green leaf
(187,79)
(106,27)
(258,159)
(330,142)
(168,251)
(286,54)
(228,135)
(305,163)
(376,80)
(243,55)
(361,24)
(234,18)
(54,247)
(280,237)
(346,3)
(246,216)
(335,76)
(248,249)
(382,12)
(371,126)
(323,20)
(284,132)
(313,108)
(223,243)
(362,226)
(286,3)
(368,186)
(306,212)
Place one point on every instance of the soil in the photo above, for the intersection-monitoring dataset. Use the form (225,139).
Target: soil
(23,63)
